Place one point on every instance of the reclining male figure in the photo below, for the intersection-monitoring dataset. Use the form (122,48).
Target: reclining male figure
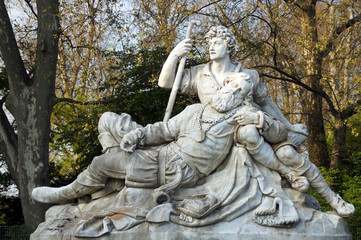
(199,139)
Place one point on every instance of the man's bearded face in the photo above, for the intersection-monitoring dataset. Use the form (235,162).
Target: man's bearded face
(233,93)
(223,102)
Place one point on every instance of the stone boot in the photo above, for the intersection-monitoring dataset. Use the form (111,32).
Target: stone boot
(58,195)
(264,154)
(319,184)
(343,208)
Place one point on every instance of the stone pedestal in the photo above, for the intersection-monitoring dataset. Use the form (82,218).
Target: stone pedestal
(328,227)
(62,220)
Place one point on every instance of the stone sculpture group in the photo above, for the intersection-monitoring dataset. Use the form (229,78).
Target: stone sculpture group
(214,162)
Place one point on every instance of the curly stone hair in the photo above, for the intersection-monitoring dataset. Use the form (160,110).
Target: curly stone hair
(238,76)
(224,33)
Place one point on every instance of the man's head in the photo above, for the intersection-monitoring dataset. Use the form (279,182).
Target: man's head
(236,89)
(224,35)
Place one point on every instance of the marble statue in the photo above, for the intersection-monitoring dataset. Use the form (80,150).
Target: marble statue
(205,79)
(216,161)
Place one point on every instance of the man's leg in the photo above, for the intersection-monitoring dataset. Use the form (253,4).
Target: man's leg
(302,166)
(263,153)
(112,127)
(112,165)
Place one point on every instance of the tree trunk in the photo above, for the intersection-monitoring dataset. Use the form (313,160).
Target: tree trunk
(30,101)
(33,151)
(343,94)
(338,145)
(317,145)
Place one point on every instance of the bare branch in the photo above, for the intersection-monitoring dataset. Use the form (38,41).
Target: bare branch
(297,81)
(334,95)
(205,6)
(106,101)
(10,52)
(31,8)
(229,21)
(291,77)
(339,30)
(8,141)
(350,110)
(295,3)
(263,20)
(3,100)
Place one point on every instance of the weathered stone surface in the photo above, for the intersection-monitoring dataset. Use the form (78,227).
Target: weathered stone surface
(329,226)
(62,219)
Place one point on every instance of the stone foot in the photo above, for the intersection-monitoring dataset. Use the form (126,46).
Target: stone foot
(343,208)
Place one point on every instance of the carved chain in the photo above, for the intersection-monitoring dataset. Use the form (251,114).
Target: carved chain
(212,122)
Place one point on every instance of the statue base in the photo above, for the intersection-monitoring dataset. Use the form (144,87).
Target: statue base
(236,229)
(62,221)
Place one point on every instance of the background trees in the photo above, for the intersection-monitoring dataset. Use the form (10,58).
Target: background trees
(110,55)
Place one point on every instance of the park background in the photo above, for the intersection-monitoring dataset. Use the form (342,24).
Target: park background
(64,63)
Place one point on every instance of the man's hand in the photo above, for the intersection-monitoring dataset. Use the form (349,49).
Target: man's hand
(300,128)
(129,142)
(246,118)
(183,48)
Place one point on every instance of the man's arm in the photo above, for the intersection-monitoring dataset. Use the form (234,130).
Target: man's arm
(270,107)
(152,134)
(272,130)
(167,75)
(266,103)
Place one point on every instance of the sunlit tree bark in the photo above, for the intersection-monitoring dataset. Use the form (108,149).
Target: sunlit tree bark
(30,101)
